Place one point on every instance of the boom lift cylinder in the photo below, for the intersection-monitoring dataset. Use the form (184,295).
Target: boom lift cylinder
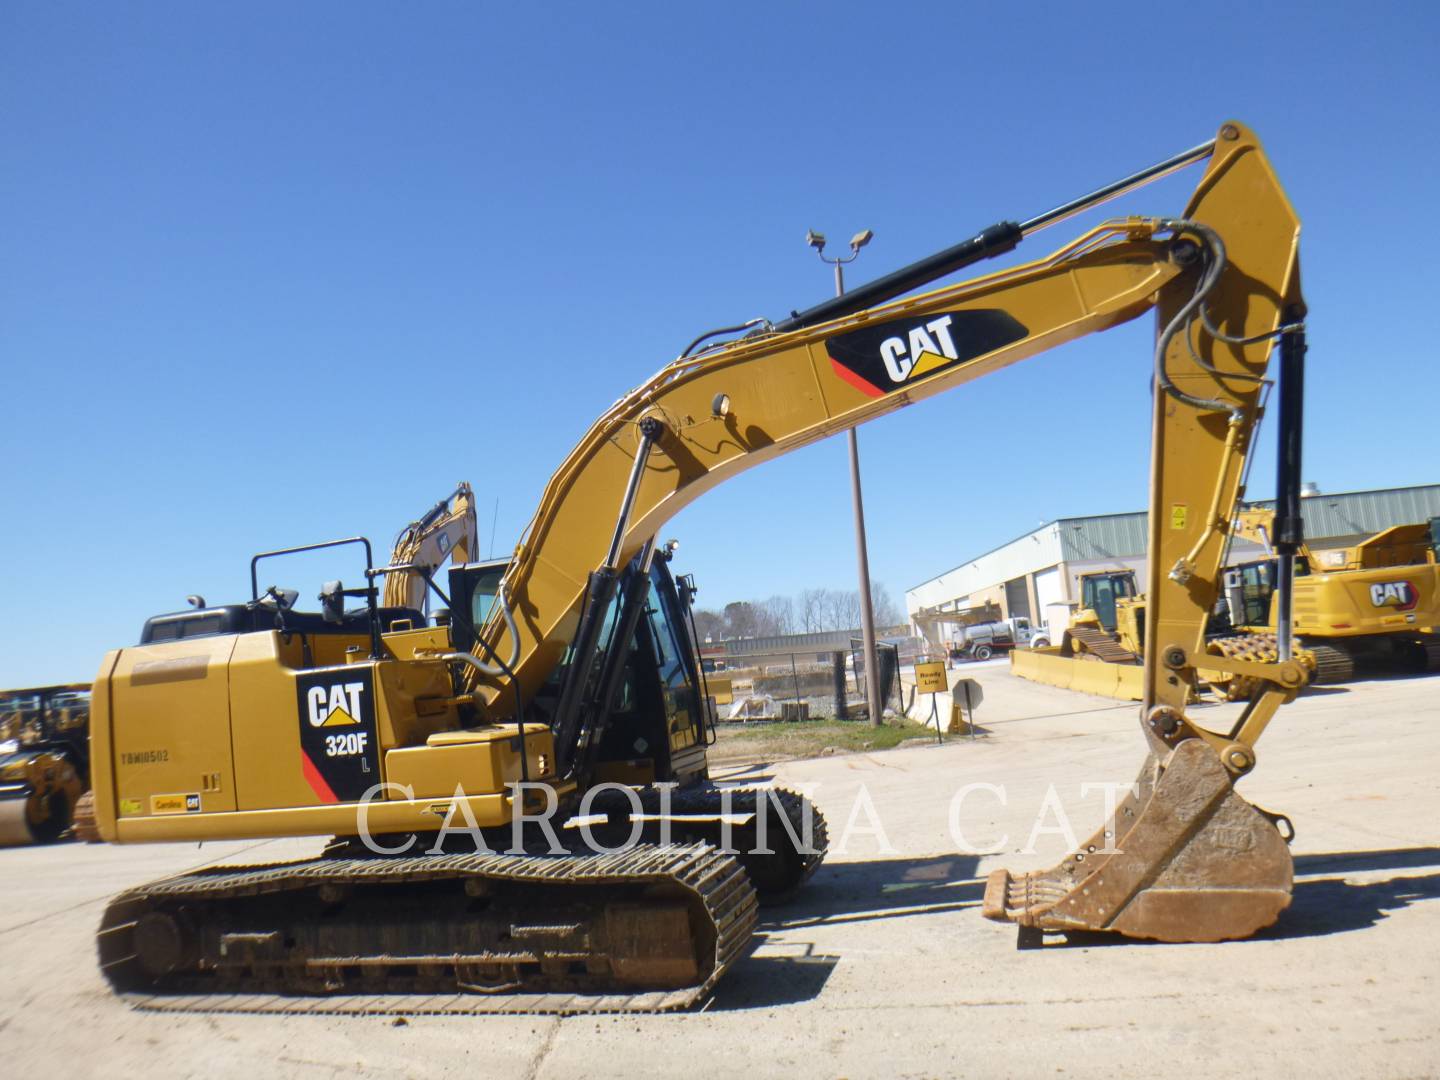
(1289,520)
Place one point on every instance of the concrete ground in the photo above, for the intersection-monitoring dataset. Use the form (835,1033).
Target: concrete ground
(884,967)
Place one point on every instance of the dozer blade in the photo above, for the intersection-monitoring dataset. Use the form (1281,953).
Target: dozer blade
(1185,858)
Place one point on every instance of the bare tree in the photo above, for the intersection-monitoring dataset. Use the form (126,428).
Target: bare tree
(842,609)
(812,610)
(883,605)
(780,614)
(766,625)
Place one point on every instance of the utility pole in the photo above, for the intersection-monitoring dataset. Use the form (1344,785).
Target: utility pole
(867,612)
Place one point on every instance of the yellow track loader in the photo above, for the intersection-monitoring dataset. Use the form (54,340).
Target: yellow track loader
(569,690)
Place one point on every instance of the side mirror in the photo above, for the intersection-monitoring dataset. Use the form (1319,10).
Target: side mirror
(332,601)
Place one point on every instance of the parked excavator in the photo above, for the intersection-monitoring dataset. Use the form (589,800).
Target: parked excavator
(445,531)
(1374,605)
(582,678)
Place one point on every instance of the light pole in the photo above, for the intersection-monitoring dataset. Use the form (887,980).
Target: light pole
(867,612)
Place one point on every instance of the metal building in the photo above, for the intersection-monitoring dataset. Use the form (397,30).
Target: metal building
(1036,575)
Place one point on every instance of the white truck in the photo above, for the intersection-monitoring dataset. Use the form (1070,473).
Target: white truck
(984,640)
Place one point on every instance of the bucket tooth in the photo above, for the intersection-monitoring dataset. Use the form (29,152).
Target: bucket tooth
(1185,858)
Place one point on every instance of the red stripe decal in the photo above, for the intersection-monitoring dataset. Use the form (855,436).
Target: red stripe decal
(856,381)
(315,780)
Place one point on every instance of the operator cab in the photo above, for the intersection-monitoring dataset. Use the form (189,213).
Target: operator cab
(1250,586)
(474,588)
(643,705)
(1099,592)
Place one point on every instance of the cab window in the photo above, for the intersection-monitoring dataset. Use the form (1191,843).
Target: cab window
(672,669)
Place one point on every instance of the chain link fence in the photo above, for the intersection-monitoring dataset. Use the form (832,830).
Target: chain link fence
(806,685)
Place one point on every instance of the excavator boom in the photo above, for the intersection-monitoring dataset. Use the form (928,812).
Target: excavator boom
(1224,281)
(715,414)
(445,531)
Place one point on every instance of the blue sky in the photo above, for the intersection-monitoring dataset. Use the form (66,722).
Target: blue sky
(277,273)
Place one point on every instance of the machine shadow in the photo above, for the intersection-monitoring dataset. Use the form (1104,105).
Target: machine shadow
(842,893)
(880,889)
(1328,905)
(764,982)
(1331,905)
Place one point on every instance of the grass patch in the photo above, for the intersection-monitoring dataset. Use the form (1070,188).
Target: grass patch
(776,740)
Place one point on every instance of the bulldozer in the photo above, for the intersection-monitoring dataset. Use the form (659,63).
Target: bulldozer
(1108,628)
(1107,624)
(563,692)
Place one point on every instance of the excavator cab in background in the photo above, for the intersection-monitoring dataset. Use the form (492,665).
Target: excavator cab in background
(475,590)
(582,670)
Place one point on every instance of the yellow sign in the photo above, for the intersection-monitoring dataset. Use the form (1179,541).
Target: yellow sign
(175,804)
(930,677)
(1178,513)
(130,807)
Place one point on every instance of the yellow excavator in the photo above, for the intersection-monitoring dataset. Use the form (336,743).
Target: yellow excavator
(1373,605)
(570,684)
(445,531)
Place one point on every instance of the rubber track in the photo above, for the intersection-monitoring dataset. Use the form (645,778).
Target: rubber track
(715,877)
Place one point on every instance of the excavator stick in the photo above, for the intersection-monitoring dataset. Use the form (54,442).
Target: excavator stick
(1185,858)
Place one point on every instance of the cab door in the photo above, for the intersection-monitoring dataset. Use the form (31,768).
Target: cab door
(676,668)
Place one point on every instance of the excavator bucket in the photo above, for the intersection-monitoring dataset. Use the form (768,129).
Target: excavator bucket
(1185,858)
